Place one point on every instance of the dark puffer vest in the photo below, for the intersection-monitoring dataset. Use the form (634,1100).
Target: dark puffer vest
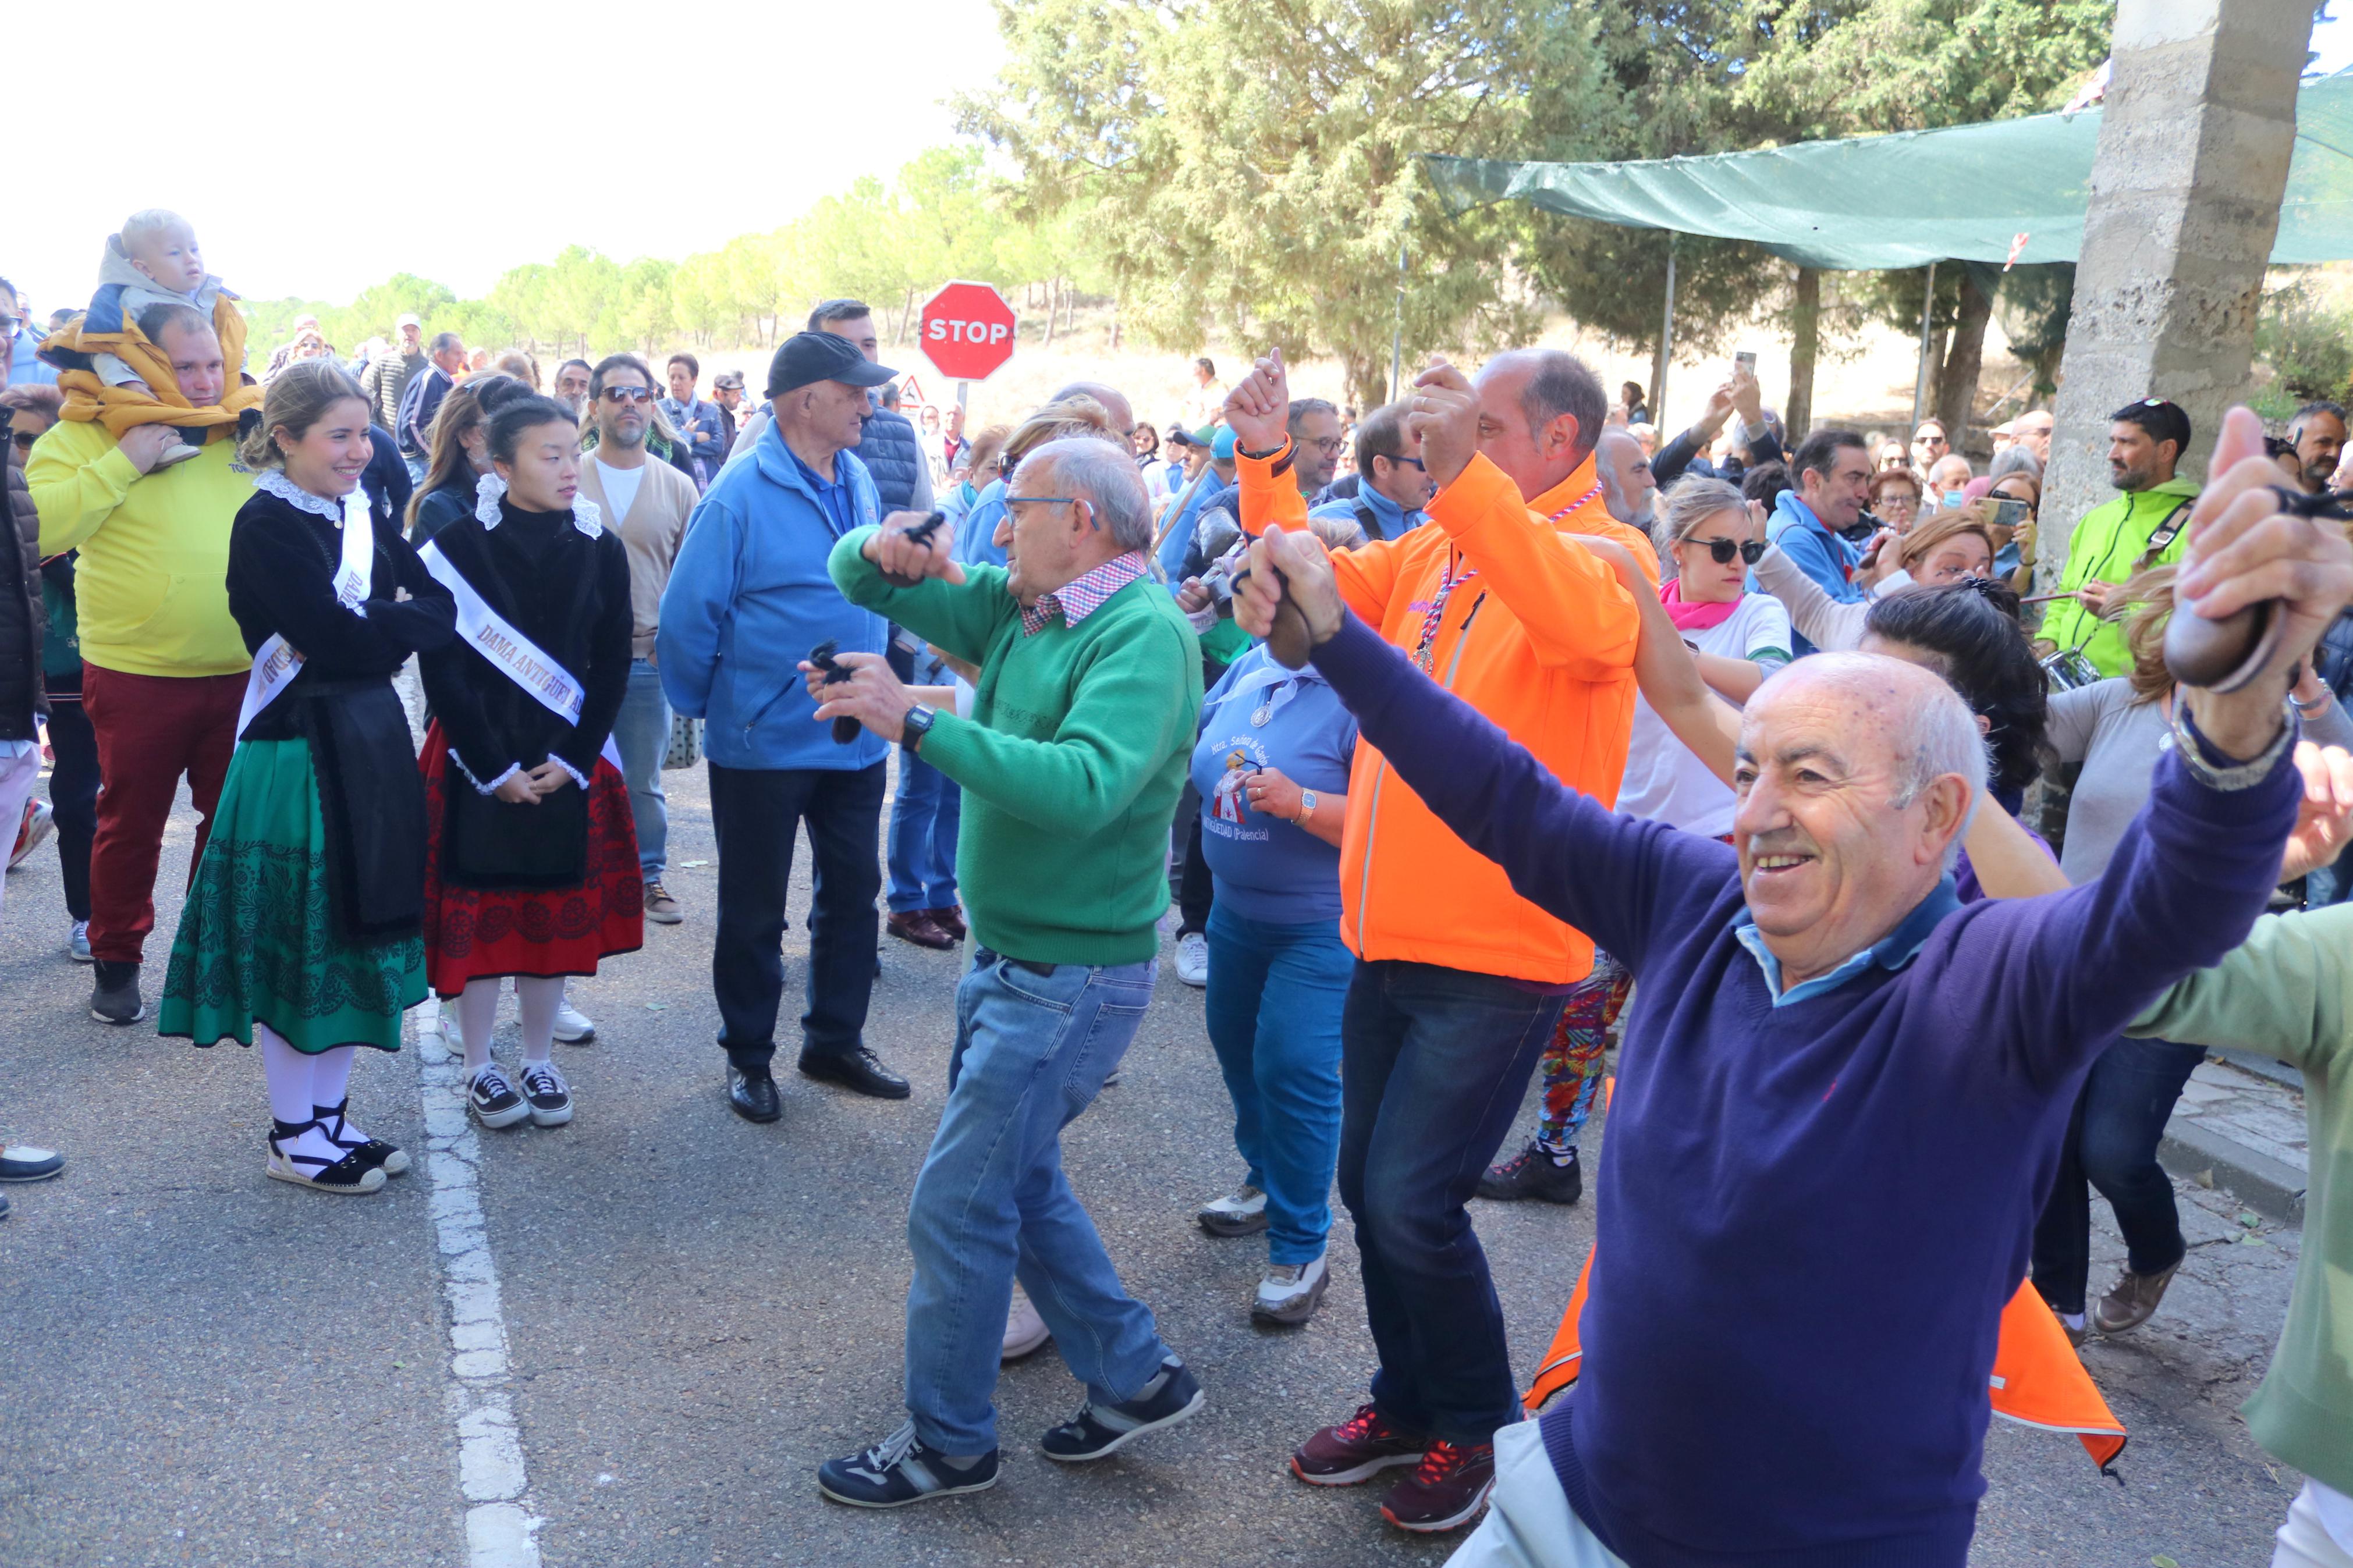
(888,451)
(23,621)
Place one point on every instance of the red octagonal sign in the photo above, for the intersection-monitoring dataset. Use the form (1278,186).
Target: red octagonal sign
(967,331)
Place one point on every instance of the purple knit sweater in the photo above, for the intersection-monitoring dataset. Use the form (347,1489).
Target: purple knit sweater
(1811,1216)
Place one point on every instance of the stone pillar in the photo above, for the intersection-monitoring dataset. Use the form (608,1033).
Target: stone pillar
(2194,145)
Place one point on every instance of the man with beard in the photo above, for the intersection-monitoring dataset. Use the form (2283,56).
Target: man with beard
(648,505)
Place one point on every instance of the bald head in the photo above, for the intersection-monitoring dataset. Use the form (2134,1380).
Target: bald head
(1856,776)
(1114,403)
(1540,411)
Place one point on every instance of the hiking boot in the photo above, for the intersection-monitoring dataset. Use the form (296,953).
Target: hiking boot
(2131,1301)
(1291,1291)
(1241,1212)
(1355,1450)
(1446,1491)
(1533,1172)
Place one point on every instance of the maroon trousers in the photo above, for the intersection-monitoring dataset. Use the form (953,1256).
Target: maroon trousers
(151,730)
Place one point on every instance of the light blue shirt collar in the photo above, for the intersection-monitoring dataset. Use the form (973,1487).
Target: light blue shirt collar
(1892,951)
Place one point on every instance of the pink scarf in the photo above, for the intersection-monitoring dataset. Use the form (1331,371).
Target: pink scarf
(1693,617)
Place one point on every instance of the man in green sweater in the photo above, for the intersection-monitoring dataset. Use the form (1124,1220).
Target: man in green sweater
(1070,761)
(2288,993)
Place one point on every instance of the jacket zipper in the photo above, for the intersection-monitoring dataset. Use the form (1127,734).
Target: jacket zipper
(1380,776)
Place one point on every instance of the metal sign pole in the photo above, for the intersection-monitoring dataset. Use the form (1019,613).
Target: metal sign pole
(1920,386)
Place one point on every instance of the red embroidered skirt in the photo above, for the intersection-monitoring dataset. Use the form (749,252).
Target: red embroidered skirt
(471,933)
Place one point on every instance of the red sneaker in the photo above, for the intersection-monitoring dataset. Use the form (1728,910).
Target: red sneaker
(1446,1491)
(1358,1449)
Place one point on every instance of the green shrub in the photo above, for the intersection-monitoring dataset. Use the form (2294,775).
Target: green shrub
(2309,347)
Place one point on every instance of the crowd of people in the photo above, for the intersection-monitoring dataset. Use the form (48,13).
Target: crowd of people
(1462,735)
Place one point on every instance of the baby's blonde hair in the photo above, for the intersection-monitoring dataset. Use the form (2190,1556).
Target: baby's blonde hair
(150,220)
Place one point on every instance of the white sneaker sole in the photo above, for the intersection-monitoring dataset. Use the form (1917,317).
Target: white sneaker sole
(588,1038)
(371,1183)
(499,1121)
(1292,1310)
(138,1018)
(549,1118)
(1199,1402)
(1453,1521)
(831,1496)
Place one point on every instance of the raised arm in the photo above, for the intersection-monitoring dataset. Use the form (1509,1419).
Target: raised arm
(1564,852)
(2287,991)
(1827,623)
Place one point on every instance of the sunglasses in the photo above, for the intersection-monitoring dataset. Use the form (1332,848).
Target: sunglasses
(23,439)
(1721,551)
(628,395)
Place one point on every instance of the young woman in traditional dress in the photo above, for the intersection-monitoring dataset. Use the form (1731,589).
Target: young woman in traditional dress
(532,870)
(302,933)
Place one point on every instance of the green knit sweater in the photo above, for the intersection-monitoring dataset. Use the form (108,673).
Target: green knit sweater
(2288,993)
(1070,763)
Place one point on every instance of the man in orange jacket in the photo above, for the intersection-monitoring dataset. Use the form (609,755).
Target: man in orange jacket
(1459,980)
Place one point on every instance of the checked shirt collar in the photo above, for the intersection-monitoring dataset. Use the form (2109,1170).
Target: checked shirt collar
(1082,596)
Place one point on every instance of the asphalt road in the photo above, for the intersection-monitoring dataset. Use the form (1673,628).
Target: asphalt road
(201,1366)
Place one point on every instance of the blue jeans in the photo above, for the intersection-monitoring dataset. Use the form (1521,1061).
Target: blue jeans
(924,818)
(1273,1008)
(1433,1064)
(641,734)
(2112,1138)
(1033,1050)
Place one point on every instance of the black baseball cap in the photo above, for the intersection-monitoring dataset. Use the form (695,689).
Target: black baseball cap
(2164,421)
(807,358)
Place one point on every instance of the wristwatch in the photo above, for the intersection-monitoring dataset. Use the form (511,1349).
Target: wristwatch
(1306,806)
(916,725)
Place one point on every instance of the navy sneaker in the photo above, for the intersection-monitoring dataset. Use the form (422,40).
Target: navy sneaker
(1174,1394)
(900,1470)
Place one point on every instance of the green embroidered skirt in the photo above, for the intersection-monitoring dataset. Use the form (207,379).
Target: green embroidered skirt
(258,941)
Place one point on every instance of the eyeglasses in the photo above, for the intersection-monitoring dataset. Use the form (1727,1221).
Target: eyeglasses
(1039,501)
(1721,551)
(628,395)
(1329,444)
(23,439)
(1412,463)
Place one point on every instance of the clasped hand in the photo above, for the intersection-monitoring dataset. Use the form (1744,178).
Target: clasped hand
(532,785)
(872,695)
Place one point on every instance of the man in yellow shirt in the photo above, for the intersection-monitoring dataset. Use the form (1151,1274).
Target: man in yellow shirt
(164,664)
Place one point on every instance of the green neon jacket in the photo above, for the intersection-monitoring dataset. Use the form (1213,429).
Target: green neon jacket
(2106,547)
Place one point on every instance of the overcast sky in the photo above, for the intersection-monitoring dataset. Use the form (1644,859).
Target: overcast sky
(457,141)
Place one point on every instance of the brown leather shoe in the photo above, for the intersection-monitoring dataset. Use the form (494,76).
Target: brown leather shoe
(2131,1301)
(950,920)
(918,927)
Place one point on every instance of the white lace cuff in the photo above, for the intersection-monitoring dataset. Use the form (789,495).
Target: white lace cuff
(568,768)
(480,787)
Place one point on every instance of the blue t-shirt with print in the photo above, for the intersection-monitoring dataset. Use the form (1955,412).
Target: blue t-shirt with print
(1261,715)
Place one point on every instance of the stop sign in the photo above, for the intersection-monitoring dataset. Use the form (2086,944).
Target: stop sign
(967,331)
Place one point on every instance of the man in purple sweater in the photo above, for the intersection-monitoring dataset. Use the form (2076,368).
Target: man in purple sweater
(1841,1091)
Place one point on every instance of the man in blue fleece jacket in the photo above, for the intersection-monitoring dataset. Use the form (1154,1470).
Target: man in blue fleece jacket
(1842,1090)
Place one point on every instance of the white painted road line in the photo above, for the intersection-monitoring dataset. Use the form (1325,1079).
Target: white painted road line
(501,1529)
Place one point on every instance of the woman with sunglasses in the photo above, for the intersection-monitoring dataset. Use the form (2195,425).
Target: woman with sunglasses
(1737,639)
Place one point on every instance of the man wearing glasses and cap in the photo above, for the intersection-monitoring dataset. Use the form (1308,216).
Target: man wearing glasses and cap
(748,600)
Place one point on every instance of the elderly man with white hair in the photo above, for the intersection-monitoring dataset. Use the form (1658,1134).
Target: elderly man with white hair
(1072,760)
(1842,1090)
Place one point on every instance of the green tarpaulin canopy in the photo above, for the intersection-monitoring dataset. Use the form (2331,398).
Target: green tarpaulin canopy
(1872,203)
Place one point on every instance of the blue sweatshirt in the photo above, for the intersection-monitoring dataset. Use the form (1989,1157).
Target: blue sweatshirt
(1820,554)
(749,596)
(976,542)
(1812,1214)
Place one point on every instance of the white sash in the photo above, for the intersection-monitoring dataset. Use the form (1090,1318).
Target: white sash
(274,664)
(522,660)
